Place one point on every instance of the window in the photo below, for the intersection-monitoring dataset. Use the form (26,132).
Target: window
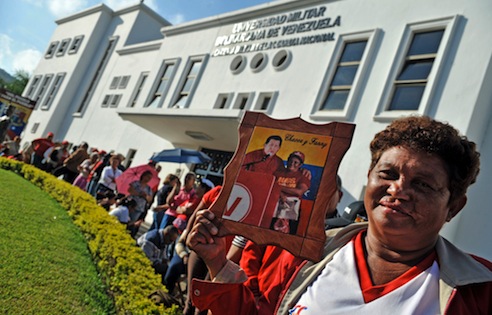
(343,82)
(138,89)
(105,102)
(242,101)
(265,101)
(223,101)
(238,64)
(258,62)
(282,59)
(124,82)
(35,127)
(51,49)
(214,170)
(417,68)
(97,75)
(115,100)
(42,89)
(129,157)
(52,92)
(166,76)
(188,84)
(77,41)
(34,85)
(63,47)
(344,76)
(410,83)
(114,83)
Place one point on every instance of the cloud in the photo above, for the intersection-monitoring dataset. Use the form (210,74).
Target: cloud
(6,51)
(63,8)
(26,60)
(120,4)
(177,18)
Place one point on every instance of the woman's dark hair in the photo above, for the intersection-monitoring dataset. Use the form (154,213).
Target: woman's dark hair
(105,194)
(169,178)
(147,172)
(424,134)
(189,175)
(127,202)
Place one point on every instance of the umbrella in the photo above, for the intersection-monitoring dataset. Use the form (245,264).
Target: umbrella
(132,174)
(181,156)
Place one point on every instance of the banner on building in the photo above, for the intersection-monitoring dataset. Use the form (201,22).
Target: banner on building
(23,108)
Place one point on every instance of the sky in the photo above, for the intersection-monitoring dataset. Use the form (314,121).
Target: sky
(26,26)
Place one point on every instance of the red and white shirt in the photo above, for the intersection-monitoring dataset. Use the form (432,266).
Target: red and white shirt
(345,287)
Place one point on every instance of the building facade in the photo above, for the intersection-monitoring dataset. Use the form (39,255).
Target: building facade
(129,81)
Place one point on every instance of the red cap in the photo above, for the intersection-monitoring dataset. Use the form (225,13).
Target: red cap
(102,152)
(298,154)
(50,134)
(64,142)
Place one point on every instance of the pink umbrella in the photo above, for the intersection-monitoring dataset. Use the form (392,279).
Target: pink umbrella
(132,174)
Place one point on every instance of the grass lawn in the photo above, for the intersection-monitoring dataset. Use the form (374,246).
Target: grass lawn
(45,266)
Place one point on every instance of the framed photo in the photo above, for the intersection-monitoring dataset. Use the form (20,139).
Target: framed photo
(280,180)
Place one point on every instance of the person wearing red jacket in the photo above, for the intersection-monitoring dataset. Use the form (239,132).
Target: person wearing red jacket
(39,146)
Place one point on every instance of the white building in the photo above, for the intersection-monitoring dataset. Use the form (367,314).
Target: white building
(128,81)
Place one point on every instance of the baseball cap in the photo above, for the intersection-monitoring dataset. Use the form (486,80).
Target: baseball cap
(297,154)
(50,134)
(354,212)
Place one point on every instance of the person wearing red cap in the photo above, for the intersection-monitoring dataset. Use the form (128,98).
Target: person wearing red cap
(293,185)
(39,146)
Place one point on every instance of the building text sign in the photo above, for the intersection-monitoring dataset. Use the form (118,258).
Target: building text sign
(283,30)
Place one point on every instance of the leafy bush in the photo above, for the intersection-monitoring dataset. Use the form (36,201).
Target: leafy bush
(124,268)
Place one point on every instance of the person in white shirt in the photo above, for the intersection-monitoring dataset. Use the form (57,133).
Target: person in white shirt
(124,207)
(110,174)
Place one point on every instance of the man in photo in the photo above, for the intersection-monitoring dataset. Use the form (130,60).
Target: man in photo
(265,160)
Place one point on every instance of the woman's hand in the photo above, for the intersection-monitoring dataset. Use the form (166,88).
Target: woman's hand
(204,240)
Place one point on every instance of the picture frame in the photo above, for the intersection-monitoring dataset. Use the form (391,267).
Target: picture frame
(280,180)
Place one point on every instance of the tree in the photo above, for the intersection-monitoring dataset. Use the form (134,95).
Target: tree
(17,86)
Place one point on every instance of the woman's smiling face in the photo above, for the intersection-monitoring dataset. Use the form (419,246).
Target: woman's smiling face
(407,198)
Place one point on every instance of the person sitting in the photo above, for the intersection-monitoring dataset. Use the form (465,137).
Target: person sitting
(123,210)
(396,262)
(154,244)
(106,199)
